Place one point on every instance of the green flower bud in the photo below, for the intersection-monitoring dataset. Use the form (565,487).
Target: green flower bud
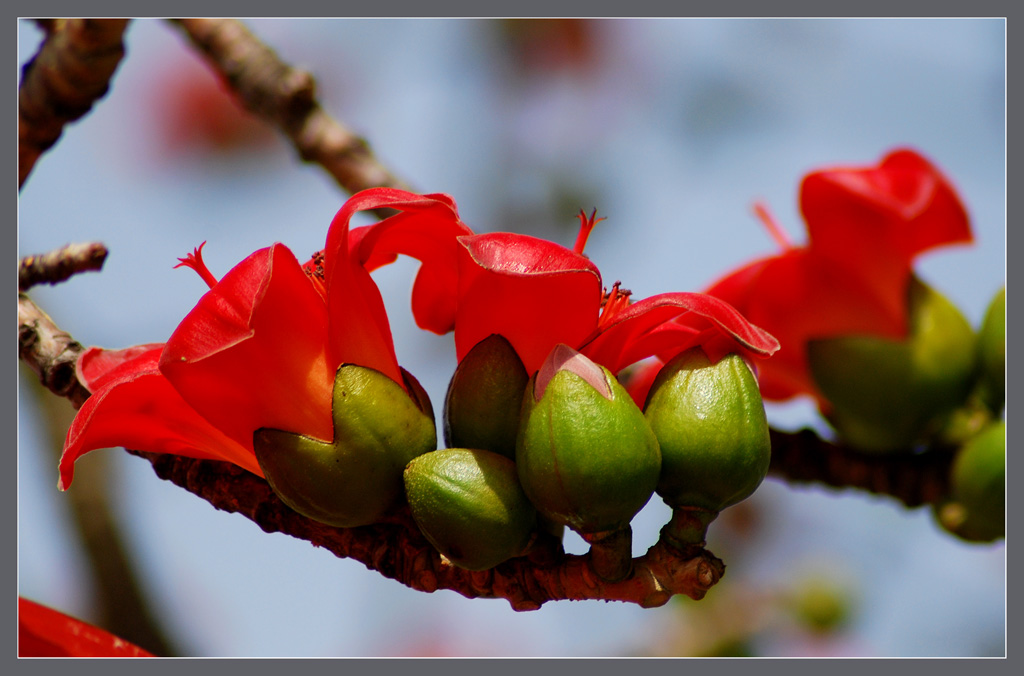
(976,510)
(354,479)
(711,426)
(468,503)
(481,409)
(886,395)
(586,456)
(992,353)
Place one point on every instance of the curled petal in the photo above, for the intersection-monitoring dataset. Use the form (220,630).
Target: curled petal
(252,353)
(359,329)
(904,205)
(136,407)
(97,366)
(669,323)
(531,291)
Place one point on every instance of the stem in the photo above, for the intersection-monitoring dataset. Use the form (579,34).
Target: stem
(611,553)
(688,527)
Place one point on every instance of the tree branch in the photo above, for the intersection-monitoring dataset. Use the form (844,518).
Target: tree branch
(915,479)
(57,266)
(397,549)
(70,72)
(286,97)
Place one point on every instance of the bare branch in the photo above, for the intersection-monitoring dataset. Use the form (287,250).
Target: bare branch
(57,266)
(915,479)
(70,72)
(286,97)
(397,550)
(50,352)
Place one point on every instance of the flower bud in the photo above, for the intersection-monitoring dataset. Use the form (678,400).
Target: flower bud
(886,395)
(976,510)
(468,503)
(710,423)
(481,409)
(992,353)
(354,479)
(586,456)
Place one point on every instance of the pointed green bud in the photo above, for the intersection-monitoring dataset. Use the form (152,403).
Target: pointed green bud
(711,426)
(468,503)
(887,395)
(992,353)
(354,479)
(481,409)
(586,456)
(976,510)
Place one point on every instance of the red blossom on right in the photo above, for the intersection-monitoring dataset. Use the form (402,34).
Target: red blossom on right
(866,226)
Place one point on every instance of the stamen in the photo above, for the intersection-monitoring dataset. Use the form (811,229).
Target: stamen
(314,269)
(587,224)
(612,303)
(194,260)
(774,229)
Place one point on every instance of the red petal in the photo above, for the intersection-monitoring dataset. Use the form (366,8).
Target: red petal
(44,632)
(904,205)
(359,328)
(427,231)
(669,323)
(139,409)
(531,291)
(97,366)
(253,352)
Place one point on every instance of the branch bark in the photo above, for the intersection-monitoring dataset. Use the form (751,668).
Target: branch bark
(57,266)
(397,549)
(60,84)
(286,97)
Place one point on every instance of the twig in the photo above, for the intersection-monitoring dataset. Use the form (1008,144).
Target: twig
(57,266)
(915,479)
(286,97)
(50,352)
(70,72)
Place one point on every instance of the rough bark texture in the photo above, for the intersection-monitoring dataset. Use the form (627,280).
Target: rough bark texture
(69,73)
(286,97)
(56,266)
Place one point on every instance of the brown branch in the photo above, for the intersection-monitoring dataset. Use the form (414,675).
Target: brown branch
(49,352)
(286,97)
(397,550)
(70,72)
(915,479)
(57,266)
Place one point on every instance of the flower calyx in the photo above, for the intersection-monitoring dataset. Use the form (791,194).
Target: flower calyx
(356,478)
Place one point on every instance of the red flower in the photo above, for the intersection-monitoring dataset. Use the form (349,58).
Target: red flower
(538,294)
(865,227)
(262,346)
(44,632)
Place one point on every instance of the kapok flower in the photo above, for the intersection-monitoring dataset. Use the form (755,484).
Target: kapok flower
(866,225)
(538,294)
(262,346)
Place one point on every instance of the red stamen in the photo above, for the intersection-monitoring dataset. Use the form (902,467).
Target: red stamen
(613,302)
(774,229)
(194,260)
(587,224)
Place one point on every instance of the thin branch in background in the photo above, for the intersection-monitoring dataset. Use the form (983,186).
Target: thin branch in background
(286,97)
(60,84)
(57,266)
(121,606)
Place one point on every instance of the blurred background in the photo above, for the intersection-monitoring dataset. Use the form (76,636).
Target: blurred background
(672,129)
